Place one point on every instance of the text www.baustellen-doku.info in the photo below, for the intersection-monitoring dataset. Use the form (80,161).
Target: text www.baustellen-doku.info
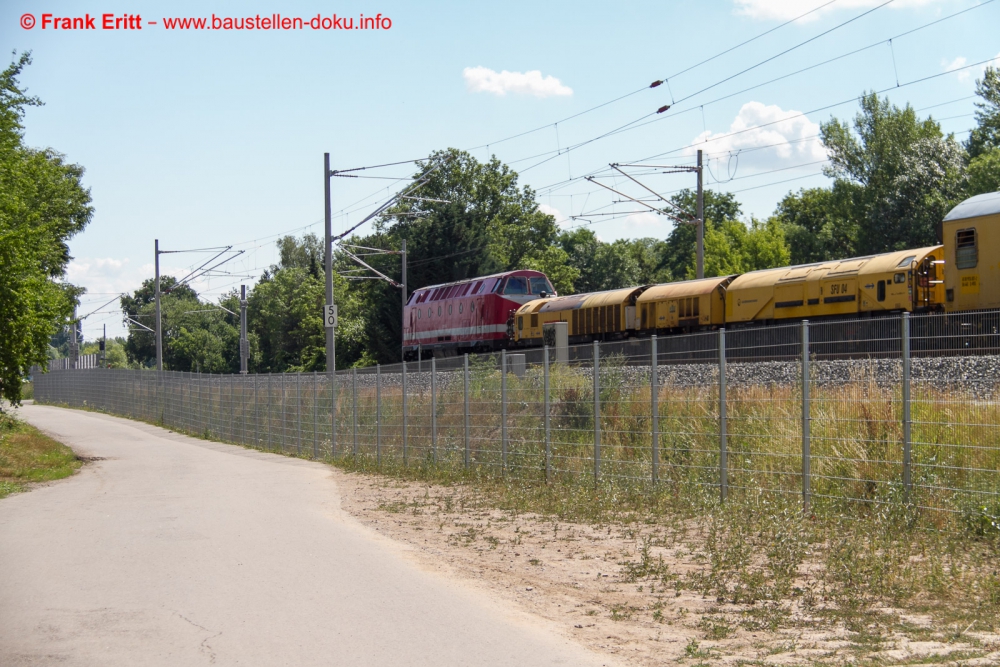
(54,22)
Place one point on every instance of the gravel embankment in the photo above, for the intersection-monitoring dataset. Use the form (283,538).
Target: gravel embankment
(981,374)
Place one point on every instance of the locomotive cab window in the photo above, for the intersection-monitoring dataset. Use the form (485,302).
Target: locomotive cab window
(516,285)
(540,285)
(966,252)
(899,278)
(906,261)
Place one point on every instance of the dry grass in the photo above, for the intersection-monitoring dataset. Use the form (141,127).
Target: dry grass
(656,578)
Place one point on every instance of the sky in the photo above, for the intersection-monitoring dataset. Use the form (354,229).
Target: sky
(206,138)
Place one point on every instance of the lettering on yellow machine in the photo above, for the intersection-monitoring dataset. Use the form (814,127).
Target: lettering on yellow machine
(970,284)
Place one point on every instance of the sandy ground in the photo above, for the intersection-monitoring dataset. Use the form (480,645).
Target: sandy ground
(577,576)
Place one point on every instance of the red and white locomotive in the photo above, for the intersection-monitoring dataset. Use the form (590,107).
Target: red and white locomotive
(468,315)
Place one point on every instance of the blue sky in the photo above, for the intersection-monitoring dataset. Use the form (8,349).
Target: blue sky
(206,138)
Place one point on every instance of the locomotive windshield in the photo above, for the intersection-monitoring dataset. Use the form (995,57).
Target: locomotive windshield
(539,285)
(516,285)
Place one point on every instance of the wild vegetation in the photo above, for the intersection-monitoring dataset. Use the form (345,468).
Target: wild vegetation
(42,205)
(27,456)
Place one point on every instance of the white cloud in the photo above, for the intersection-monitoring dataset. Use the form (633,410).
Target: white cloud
(646,224)
(784,10)
(561,219)
(485,80)
(956,64)
(785,136)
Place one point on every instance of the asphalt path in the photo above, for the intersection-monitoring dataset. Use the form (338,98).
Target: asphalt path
(176,551)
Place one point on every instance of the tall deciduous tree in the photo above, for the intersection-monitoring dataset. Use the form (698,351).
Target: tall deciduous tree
(42,205)
(818,223)
(986,135)
(681,245)
(905,170)
(473,219)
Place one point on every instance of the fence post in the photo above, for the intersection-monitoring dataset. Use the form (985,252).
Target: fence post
(354,409)
(243,407)
(315,417)
(434,422)
(723,420)
(465,378)
(404,413)
(256,414)
(298,414)
(805,415)
(334,404)
(503,410)
(267,403)
(907,473)
(654,403)
(283,436)
(378,413)
(597,412)
(545,404)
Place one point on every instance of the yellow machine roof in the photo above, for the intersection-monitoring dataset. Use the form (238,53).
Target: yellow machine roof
(683,289)
(896,261)
(534,305)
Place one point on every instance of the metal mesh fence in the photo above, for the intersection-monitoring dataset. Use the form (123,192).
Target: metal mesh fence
(872,410)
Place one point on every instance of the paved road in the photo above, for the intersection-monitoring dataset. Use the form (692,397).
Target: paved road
(175,551)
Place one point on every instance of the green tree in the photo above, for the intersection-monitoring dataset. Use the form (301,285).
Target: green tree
(472,219)
(986,135)
(197,336)
(284,312)
(904,168)
(42,205)
(601,266)
(818,223)
(983,173)
(650,257)
(732,247)
(680,251)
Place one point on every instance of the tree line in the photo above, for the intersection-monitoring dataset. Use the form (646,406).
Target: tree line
(894,177)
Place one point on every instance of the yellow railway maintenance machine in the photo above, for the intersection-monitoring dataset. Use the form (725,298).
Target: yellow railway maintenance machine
(685,306)
(595,316)
(895,281)
(971,234)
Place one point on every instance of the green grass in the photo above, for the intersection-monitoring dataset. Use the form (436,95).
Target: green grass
(27,455)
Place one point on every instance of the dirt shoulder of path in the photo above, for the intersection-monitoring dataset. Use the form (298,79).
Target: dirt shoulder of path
(608,588)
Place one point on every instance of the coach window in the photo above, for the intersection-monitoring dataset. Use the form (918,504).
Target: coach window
(516,285)
(966,253)
(430,311)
